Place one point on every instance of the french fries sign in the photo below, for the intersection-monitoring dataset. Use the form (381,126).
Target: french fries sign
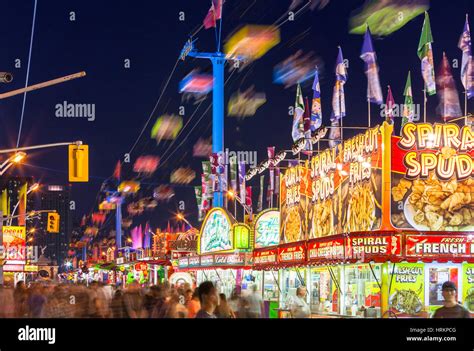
(431,184)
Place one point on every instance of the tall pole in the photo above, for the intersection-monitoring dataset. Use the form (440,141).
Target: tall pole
(218,62)
(3,250)
(118,225)
(424,104)
(465,107)
(368,109)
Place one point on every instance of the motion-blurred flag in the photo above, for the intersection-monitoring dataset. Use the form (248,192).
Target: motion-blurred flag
(214,14)
(198,193)
(374,91)
(242,179)
(248,196)
(5,203)
(338,98)
(408,112)
(389,106)
(335,133)
(22,204)
(386,16)
(316,111)
(277,181)
(298,127)
(425,53)
(260,195)
(233,173)
(467,66)
(449,106)
(307,127)
(117,170)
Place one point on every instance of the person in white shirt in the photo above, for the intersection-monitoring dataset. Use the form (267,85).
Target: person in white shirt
(299,307)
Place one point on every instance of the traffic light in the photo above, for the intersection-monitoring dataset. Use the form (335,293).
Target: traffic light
(53,222)
(78,163)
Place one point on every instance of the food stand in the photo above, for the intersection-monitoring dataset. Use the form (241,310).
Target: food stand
(265,253)
(224,253)
(384,221)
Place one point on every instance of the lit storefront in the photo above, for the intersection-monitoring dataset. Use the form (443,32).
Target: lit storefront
(224,254)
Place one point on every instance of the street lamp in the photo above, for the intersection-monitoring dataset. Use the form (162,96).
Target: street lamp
(232,195)
(15,159)
(33,187)
(180,217)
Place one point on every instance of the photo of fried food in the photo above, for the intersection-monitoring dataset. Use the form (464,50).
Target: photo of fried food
(322,219)
(437,205)
(361,209)
(293,225)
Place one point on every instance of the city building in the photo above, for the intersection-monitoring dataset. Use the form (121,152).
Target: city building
(56,245)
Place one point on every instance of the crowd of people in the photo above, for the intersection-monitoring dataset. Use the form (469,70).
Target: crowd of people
(97,300)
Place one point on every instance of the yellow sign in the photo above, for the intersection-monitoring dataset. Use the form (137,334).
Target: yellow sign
(53,223)
(78,163)
(31,268)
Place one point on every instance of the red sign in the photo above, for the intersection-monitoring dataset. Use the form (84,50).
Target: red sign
(439,246)
(265,256)
(363,247)
(294,253)
(326,250)
(141,267)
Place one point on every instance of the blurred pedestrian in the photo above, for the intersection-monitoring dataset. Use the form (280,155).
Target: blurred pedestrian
(7,303)
(208,299)
(134,302)
(37,301)
(255,307)
(117,305)
(20,296)
(193,303)
(223,310)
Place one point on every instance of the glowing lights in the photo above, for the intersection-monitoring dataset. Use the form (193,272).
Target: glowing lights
(18,157)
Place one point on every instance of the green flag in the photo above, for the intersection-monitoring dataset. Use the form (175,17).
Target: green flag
(408,110)
(297,131)
(425,53)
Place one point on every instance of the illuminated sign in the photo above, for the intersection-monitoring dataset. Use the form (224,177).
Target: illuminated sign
(216,232)
(267,229)
(295,190)
(265,256)
(323,250)
(290,254)
(365,247)
(439,246)
(14,245)
(431,179)
(241,236)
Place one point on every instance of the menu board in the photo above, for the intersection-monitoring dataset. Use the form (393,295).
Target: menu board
(407,293)
(292,254)
(439,246)
(14,244)
(216,232)
(432,185)
(267,229)
(295,190)
(346,186)
(326,250)
(366,247)
(468,286)
(261,257)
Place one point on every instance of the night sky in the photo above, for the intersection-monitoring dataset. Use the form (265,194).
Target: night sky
(150,34)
